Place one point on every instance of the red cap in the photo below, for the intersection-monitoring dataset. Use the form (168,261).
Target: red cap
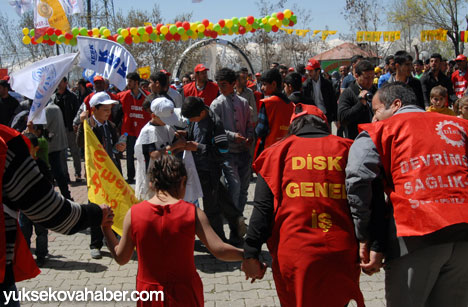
(89,85)
(461,57)
(98,78)
(307,109)
(313,64)
(165,72)
(258,74)
(200,68)
(291,69)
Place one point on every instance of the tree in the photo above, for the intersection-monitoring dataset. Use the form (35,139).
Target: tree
(436,14)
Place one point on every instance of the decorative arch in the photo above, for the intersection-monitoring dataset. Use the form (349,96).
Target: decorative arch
(180,62)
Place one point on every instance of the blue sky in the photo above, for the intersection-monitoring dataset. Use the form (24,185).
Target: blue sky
(324,13)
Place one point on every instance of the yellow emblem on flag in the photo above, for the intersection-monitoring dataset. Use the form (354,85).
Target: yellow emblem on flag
(54,12)
(144,72)
(105,183)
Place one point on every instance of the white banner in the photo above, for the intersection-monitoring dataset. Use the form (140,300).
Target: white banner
(106,58)
(72,6)
(21,6)
(39,80)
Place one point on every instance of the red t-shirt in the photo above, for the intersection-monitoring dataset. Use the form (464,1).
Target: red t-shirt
(209,93)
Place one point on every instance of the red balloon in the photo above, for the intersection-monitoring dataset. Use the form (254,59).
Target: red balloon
(150,41)
(242,30)
(50,31)
(214,34)
(206,22)
(207,33)
(177,37)
(252,31)
(50,43)
(169,36)
(186,25)
(68,35)
(158,27)
(274,28)
(33,41)
(250,20)
(222,23)
(58,32)
(128,40)
(280,15)
(178,24)
(90,32)
(291,23)
(149,29)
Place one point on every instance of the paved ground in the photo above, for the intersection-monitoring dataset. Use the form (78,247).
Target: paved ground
(70,267)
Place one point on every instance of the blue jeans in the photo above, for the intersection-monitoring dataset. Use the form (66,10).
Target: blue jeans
(56,166)
(41,233)
(131,140)
(236,170)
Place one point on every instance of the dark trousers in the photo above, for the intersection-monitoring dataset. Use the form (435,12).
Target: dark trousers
(96,237)
(55,161)
(41,235)
(210,183)
(131,140)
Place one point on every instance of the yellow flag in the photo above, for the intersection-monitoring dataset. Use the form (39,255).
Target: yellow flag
(397,35)
(423,36)
(324,35)
(144,72)
(105,183)
(377,36)
(359,36)
(316,32)
(386,36)
(54,12)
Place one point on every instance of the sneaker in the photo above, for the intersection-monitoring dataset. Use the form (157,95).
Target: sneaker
(96,253)
(241,226)
(40,261)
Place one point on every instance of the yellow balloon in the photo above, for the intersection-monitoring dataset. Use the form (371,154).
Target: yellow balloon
(194,35)
(248,27)
(201,28)
(287,13)
(229,23)
(210,26)
(193,26)
(145,37)
(26,40)
(164,30)
(279,23)
(95,32)
(58,42)
(25,31)
(264,20)
(67,42)
(40,40)
(272,21)
(107,32)
(136,39)
(157,39)
(96,36)
(124,32)
(133,31)
(230,32)
(184,37)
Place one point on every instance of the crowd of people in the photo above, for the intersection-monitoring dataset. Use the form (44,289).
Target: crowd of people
(319,199)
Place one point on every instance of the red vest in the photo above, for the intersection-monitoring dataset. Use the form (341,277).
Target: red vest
(24,266)
(424,156)
(460,83)
(134,116)
(313,245)
(279,115)
(209,93)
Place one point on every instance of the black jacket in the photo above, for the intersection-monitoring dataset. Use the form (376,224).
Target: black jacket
(415,85)
(299,97)
(69,105)
(328,94)
(351,112)
(428,82)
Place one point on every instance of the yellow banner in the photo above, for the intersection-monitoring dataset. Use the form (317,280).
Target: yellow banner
(430,35)
(54,12)
(144,72)
(105,183)
(375,36)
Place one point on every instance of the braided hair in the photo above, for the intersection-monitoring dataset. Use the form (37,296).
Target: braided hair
(167,174)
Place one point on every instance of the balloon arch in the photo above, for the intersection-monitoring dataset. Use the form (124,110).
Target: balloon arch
(206,43)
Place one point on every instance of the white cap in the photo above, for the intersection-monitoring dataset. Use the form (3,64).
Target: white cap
(101,98)
(164,109)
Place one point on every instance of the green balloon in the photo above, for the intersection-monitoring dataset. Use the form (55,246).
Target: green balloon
(73,41)
(267,27)
(243,21)
(119,30)
(53,37)
(294,18)
(153,36)
(32,32)
(120,39)
(46,37)
(173,29)
(141,30)
(225,30)
(235,28)
(217,27)
(274,15)
(285,21)
(189,32)
(162,37)
(255,25)
(235,20)
(84,32)
(75,31)
(201,35)
(267,17)
(61,38)
(180,30)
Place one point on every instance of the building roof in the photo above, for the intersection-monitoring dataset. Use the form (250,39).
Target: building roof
(344,51)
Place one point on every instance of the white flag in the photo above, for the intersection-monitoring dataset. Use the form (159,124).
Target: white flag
(106,58)
(72,6)
(21,6)
(39,80)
